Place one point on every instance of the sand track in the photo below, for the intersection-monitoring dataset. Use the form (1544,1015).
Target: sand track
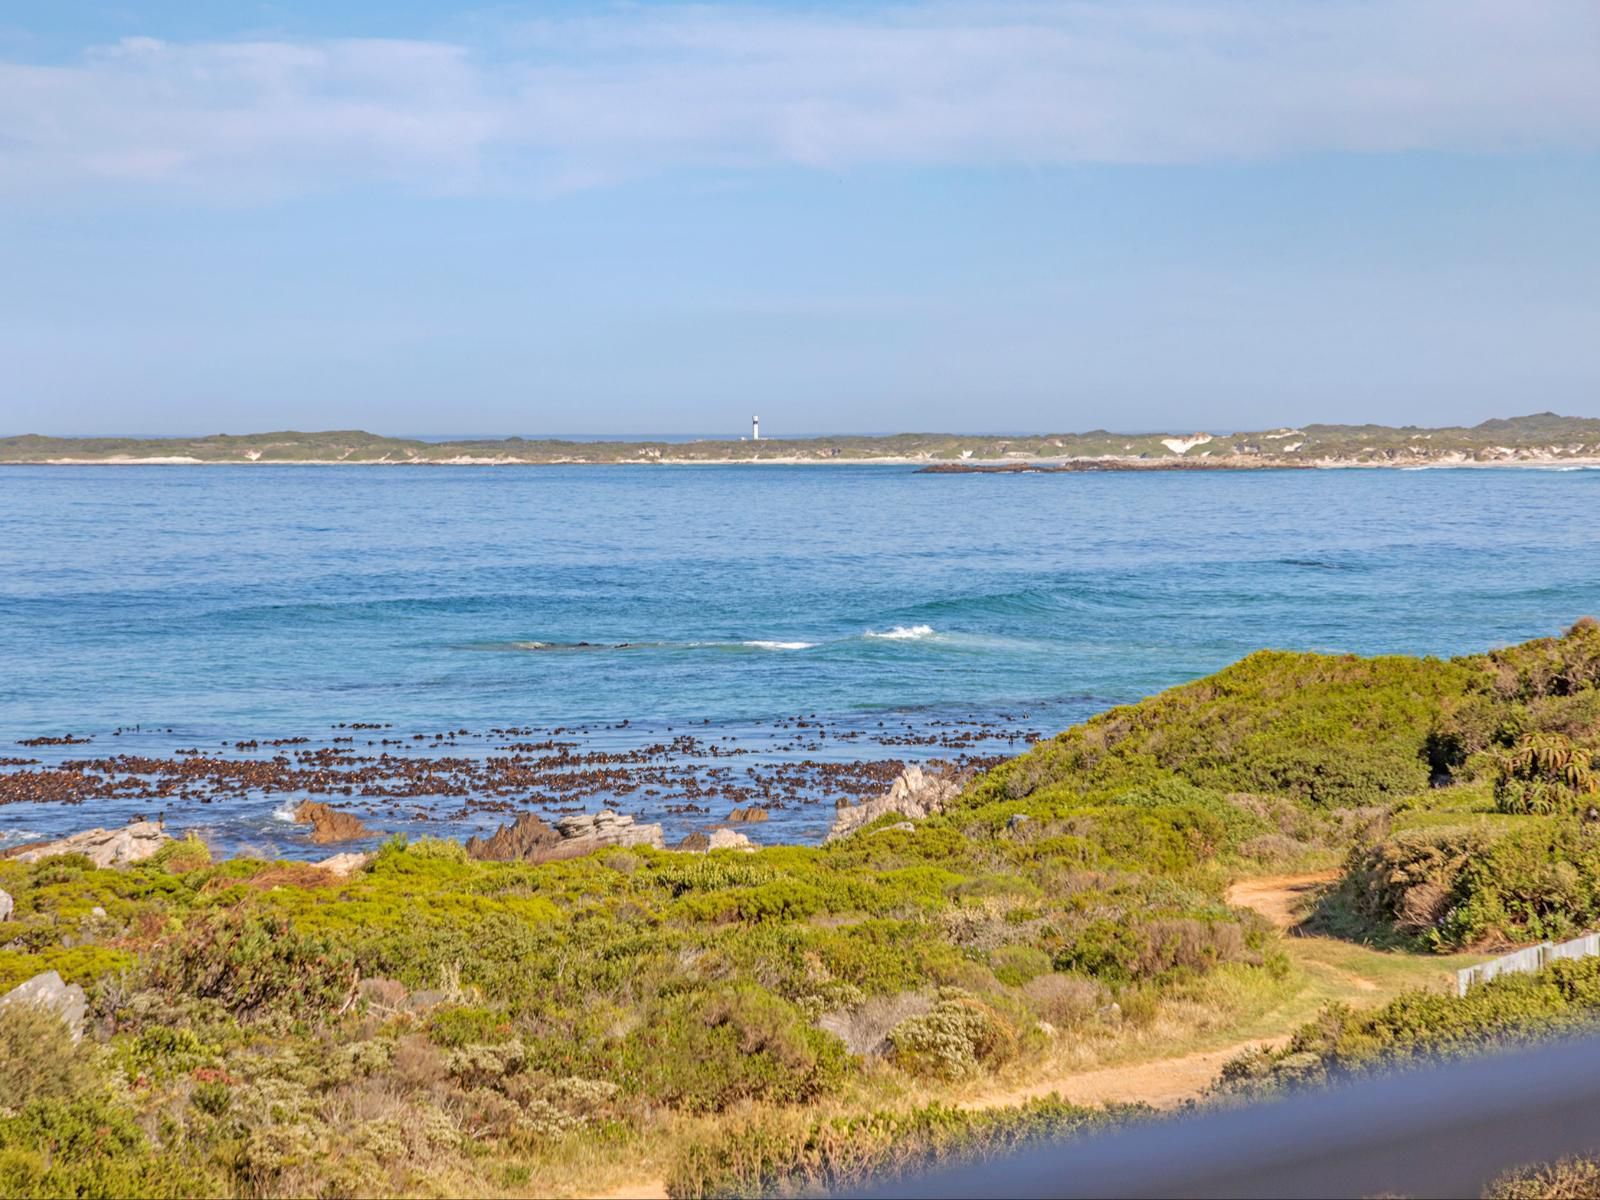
(1281,899)
(1160,1083)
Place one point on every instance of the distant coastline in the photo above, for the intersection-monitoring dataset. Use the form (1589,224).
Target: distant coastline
(1537,440)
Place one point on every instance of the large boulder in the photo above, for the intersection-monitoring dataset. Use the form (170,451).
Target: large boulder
(746,816)
(105,847)
(345,864)
(530,839)
(7,905)
(329,824)
(915,794)
(717,839)
(49,991)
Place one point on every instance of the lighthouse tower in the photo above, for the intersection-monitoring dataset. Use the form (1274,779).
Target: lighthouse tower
(755,429)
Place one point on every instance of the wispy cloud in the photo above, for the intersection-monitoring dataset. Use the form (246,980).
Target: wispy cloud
(637,90)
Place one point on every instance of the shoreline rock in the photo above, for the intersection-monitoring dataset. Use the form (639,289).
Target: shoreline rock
(344,865)
(105,847)
(914,793)
(530,839)
(329,824)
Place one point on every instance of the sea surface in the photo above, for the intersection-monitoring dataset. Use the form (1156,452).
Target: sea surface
(778,616)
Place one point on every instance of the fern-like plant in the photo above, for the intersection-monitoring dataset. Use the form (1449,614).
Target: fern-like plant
(1544,773)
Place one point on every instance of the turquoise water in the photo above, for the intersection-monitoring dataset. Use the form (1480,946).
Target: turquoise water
(233,602)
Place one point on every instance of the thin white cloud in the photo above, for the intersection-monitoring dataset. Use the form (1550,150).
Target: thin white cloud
(637,90)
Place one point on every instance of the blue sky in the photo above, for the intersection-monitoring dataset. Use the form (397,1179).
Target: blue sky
(654,217)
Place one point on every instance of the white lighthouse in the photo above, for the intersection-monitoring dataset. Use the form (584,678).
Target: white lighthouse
(755,429)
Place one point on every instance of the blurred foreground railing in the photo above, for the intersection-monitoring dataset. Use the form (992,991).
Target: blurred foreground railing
(1439,1131)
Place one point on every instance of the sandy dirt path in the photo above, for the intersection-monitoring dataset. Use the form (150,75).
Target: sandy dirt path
(1160,1083)
(1279,898)
(651,1189)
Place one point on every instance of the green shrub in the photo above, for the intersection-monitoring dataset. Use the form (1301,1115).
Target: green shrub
(1066,1000)
(1410,880)
(783,1156)
(1536,879)
(89,1147)
(1016,965)
(1545,773)
(1328,730)
(1546,667)
(707,1050)
(959,1037)
(1152,947)
(257,966)
(38,1058)
(460,1024)
(1427,1026)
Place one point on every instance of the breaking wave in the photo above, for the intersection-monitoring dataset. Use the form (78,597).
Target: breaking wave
(902,633)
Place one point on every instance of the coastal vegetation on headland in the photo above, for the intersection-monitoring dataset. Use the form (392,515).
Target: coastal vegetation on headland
(1537,438)
(799,1017)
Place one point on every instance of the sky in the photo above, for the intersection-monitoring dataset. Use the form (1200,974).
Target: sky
(413,216)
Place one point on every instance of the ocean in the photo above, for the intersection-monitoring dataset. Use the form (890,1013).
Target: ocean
(671,640)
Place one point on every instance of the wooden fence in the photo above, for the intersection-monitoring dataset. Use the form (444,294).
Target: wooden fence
(1527,961)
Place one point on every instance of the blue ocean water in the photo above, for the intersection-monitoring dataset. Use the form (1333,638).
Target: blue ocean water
(232,602)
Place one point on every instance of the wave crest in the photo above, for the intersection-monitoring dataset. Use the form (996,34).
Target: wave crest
(902,633)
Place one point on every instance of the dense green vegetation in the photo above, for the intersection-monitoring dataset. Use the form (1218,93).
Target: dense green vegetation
(270,1028)
(1538,436)
(1427,1026)
(782,1019)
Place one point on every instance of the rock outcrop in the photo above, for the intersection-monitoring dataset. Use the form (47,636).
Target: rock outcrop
(746,816)
(329,824)
(105,847)
(344,864)
(530,839)
(50,991)
(521,841)
(914,793)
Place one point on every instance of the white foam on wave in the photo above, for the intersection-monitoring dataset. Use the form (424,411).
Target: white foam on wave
(766,645)
(285,812)
(902,633)
(530,645)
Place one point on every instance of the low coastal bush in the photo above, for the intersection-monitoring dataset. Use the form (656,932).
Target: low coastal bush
(255,966)
(438,1024)
(276,1023)
(1545,773)
(1326,730)
(1568,1179)
(778,1157)
(956,1039)
(1479,888)
(706,1051)
(1427,1026)
(39,1059)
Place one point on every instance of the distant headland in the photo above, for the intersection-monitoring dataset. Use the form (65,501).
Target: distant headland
(1536,440)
